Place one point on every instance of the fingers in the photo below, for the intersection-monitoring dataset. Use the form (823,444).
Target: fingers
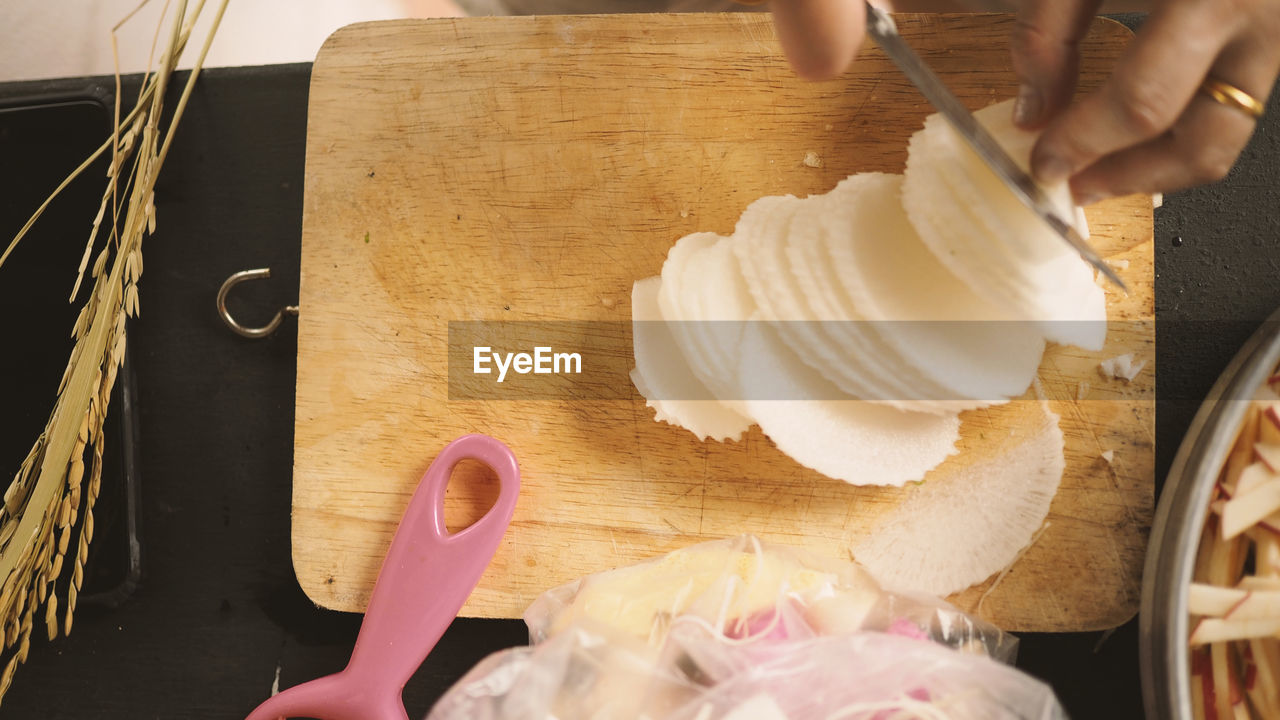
(1046,56)
(819,37)
(1201,146)
(1150,87)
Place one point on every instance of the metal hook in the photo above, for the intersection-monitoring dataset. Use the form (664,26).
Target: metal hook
(236,327)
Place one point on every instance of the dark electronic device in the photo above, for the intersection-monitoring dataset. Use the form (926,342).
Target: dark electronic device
(41,141)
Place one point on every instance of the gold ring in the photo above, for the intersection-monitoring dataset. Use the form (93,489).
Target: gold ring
(1233,97)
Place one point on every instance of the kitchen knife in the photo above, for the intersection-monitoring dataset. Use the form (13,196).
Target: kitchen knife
(885,33)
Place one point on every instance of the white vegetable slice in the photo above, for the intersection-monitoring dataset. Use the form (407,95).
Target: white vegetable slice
(983,234)
(760,242)
(1009,233)
(1018,143)
(949,228)
(671,307)
(663,377)
(931,320)
(717,304)
(1055,285)
(968,522)
(859,442)
(858,343)
(1016,228)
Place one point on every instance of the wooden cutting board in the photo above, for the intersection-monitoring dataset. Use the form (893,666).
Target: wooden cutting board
(531,169)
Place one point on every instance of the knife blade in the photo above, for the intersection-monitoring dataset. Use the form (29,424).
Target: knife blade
(885,32)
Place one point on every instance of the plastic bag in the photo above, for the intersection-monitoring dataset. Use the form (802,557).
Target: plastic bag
(740,629)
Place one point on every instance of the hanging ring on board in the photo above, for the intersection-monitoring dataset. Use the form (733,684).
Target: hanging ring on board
(237,328)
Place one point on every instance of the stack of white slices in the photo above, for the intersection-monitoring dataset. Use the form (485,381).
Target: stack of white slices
(853,327)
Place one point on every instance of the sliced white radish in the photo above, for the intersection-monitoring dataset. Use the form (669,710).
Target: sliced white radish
(827,293)
(1039,274)
(717,305)
(977,256)
(853,345)
(951,229)
(664,379)
(983,234)
(967,522)
(671,307)
(859,442)
(997,118)
(929,318)
(760,245)
(991,206)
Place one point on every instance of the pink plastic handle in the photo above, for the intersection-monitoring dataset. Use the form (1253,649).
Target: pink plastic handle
(426,577)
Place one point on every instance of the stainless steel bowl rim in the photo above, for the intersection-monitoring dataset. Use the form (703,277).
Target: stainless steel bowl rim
(1180,515)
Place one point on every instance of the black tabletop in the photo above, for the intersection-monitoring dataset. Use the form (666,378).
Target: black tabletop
(219,613)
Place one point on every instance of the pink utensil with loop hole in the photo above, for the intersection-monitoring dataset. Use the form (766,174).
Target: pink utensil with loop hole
(426,577)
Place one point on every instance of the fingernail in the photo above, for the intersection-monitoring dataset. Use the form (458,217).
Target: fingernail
(1089,198)
(1051,169)
(1028,106)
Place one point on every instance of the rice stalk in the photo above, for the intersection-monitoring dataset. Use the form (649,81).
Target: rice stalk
(52,495)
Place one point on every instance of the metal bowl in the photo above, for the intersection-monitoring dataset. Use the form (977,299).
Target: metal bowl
(1180,516)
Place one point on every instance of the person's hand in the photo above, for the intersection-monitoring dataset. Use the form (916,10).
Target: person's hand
(1149,128)
(820,37)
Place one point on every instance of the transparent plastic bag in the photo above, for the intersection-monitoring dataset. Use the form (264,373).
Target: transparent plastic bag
(874,676)
(741,629)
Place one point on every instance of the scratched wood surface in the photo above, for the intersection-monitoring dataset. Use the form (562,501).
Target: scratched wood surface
(531,169)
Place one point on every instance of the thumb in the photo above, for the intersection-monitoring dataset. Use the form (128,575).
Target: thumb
(820,37)
(1046,56)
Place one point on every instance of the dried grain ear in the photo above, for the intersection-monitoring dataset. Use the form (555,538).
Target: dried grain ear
(663,377)
(972,516)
